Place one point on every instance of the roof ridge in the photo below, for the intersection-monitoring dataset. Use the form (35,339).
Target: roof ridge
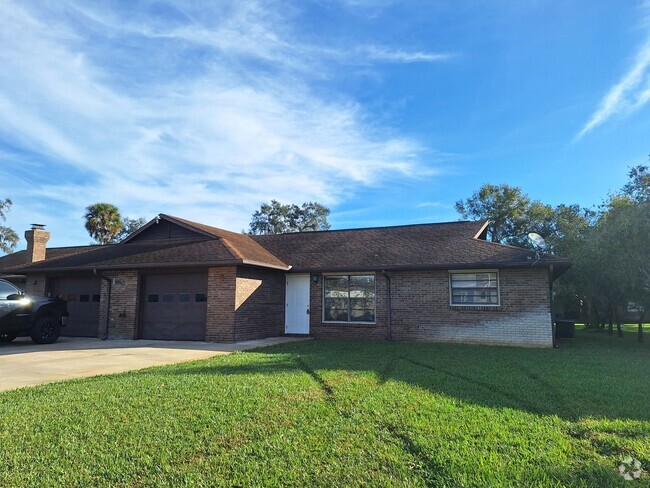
(65,256)
(82,249)
(74,247)
(232,249)
(226,237)
(428,224)
(518,248)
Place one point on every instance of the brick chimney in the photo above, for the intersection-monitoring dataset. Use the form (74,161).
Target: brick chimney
(36,238)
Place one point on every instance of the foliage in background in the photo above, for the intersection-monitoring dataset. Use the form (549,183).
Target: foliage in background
(129,226)
(106,226)
(103,222)
(638,188)
(278,218)
(512,213)
(8,237)
(609,246)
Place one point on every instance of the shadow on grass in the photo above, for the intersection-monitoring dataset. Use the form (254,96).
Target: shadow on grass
(593,376)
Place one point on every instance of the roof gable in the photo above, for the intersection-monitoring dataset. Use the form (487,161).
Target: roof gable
(162,229)
(168,241)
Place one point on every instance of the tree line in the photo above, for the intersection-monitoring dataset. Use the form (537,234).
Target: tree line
(609,245)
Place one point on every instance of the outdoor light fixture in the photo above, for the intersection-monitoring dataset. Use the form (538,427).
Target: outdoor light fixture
(315,278)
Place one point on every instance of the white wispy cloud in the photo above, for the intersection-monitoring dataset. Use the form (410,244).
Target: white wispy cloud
(433,204)
(146,129)
(377,53)
(632,92)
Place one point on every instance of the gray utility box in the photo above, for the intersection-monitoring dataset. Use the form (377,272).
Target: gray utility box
(565,329)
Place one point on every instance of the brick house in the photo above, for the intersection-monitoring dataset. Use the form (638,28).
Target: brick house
(180,280)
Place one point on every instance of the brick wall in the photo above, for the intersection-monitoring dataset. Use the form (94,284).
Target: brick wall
(123,315)
(35,285)
(220,324)
(36,245)
(421,311)
(259,304)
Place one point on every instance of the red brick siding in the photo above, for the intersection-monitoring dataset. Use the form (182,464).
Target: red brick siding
(259,304)
(36,244)
(421,311)
(220,324)
(124,312)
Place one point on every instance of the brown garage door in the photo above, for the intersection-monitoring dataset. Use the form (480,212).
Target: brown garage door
(174,307)
(82,295)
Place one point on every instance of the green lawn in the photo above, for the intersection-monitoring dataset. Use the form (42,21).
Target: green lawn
(333,413)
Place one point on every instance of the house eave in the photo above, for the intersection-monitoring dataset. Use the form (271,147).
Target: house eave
(194,264)
(433,267)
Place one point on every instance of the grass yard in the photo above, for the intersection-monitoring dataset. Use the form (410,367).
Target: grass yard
(334,413)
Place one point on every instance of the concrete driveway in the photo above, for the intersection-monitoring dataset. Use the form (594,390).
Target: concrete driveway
(23,363)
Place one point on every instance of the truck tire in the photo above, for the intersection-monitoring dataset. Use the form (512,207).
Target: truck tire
(46,330)
(4,337)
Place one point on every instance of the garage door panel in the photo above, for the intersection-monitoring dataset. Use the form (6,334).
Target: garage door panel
(82,295)
(174,307)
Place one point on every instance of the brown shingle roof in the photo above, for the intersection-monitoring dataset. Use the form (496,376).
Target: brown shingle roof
(211,246)
(142,254)
(451,244)
(424,246)
(19,258)
(240,245)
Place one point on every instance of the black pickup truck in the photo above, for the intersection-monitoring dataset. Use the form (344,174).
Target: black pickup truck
(40,318)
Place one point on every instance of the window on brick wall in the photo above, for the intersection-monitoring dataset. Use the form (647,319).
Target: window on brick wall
(349,298)
(474,288)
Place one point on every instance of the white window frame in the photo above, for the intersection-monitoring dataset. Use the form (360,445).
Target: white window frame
(474,271)
(374,322)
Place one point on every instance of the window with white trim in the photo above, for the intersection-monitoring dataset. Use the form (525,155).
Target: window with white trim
(349,298)
(474,288)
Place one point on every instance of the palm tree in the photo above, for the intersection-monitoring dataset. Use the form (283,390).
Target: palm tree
(103,222)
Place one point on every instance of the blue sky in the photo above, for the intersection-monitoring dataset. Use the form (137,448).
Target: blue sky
(386,111)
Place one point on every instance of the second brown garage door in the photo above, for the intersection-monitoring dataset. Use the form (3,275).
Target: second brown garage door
(174,307)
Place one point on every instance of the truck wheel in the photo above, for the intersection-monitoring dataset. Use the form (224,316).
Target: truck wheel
(46,330)
(4,337)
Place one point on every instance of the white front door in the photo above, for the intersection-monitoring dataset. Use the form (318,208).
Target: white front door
(296,317)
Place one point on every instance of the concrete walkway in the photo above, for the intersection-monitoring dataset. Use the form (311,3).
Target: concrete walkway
(23,363)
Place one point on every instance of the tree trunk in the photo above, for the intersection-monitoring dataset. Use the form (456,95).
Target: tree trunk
(619,330)
(586,313)
(640,329)
(611,322)
(600,325)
